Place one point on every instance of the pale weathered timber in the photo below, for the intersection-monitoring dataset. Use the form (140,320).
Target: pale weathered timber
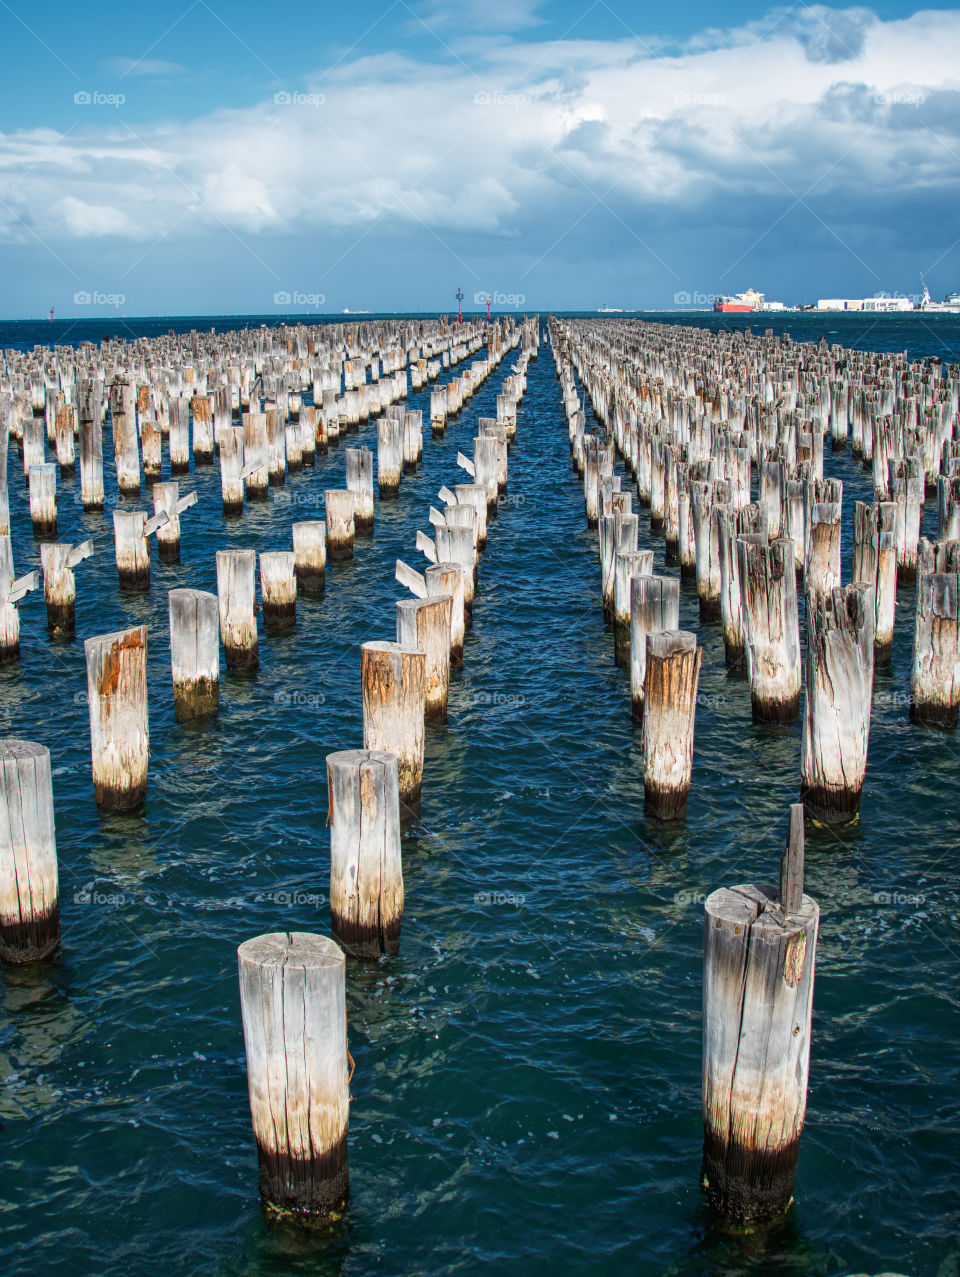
(194,653)
(392,682)
(425,624)
(366,870)
(236,596)
(654,605)
(626,566)
(359,480)
(117,701)
(935,675)
(278,590)
(758,972)
(771,626)
(669,708)
(340,505)
(839,689)
(309,540)
(293,1005)
(29,886)
(59,584)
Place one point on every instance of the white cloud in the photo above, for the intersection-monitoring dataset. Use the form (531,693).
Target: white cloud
(83,219)
(837,103)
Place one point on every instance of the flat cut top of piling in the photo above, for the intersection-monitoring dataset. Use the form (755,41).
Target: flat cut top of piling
(291,948)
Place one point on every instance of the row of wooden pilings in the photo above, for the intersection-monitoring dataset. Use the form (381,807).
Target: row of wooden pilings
(686,440)
(297,1066)
(276,436)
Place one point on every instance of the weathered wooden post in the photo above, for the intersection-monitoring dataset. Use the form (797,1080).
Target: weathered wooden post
(231,469)
(759,951)
(669,708)
(310,555)
(625,568)
(294,451)
(425,624)
(256,456)
(389,456)
(59,585)
(151,445)
(203,442)
(935,676)
(132,550)
(278,590)
(359,481)
(875,565)
(448,579)
(66,421)
(366,870)
(194,653)
(167,500)
(11,592)
(236,594)
(839,689)
(771,628)
(392,680)
(123,414)
(91,465)
(117,701)
(179,437)
(293,1004)
(43,499)
(276,448)
(654,605)
(339,505)
(412,440)
(29,887)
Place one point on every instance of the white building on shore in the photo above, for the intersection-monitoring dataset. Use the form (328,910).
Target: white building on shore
(887,305)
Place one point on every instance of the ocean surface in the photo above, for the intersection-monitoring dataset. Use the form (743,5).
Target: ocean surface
(527,1088)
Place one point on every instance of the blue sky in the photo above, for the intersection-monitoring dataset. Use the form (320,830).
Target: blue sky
(200,158)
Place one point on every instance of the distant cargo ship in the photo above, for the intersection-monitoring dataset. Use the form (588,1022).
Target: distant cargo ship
(740,303)
(609,310)
(743,303)
(949,306)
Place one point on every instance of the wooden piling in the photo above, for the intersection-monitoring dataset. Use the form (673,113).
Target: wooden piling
(366,871)
(392,681)
(43,499)
(231,469)
(117,701)
(29,887)
(236,596)
(669,708)
(359,480)
(339,504)
(91,465)
(389,456)
(278,590)
(59,584)
(839,688)
(654,605)
(935,675)
(293,1004)
(424,624)
(194,653)
(310,555)
(771,628)
(759,951)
